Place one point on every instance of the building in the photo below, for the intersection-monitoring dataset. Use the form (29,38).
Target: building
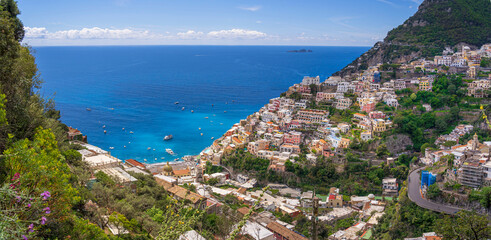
(313,116)
(425,85)
(427,179)
(335,200)
(366,135)
(343,103)
(256,231)
(191,235)
(390,186)
(294,149)
(282,233)
(426,236)
(379,125)
(368,107)
(292,138)
(471,174)
(310,80)
(195,200)
(324,96)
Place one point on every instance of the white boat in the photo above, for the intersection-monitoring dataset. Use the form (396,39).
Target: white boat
(168,137)
(103,126)
(199,128)
(88,109)
(149,148)
(176,103)
(169,151)
(105,131)
(145,159)
(212,138)
(111,148)
(131,132)
(124,146)
(123,129)
(182,109)
(201,134)
(192,111)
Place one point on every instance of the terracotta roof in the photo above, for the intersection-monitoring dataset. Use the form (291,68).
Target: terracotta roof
(135,163)
(285,232)
(242,190)
(243,210)
(332,197)
(181,172)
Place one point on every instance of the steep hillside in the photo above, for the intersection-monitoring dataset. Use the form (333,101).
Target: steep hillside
(437,24)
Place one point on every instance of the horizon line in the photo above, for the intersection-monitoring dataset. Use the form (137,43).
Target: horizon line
(210,45)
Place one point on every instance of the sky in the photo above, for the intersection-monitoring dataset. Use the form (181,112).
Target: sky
(212,22)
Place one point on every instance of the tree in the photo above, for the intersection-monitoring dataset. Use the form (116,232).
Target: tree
(382,150)
(433,191)
(465,225)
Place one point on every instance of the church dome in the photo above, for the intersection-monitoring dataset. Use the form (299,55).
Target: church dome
(167,168)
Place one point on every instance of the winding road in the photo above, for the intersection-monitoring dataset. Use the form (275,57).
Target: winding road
(416,197)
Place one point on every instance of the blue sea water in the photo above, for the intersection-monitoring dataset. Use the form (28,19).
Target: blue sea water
(135,88)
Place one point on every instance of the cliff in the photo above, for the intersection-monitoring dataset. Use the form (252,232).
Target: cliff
(437,24)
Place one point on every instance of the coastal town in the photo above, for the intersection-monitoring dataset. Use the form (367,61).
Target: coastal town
(317,120)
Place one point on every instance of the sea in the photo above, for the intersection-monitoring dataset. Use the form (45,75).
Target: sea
(140,94)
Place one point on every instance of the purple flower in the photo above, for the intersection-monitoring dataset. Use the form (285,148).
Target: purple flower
(18,198)
(43,220)
(47,210)
(24,237)
(45,195)
(31,228)
(28,205)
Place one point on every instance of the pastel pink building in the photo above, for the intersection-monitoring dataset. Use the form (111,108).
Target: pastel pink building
(292,138)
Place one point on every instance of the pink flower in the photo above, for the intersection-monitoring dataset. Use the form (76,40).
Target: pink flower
(45,195)
(31,228)
(43,220)
(47,210)
(18,198)
(28,205)
(24,237)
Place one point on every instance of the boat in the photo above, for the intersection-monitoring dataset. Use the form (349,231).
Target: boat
(105,131)
(176,103)
(169,151)
(145,159)
(111,148)
(149,148)
(192,111)
(224,111)
(168,137)
(201,134)
(88,109)
(124,146)
(182,109)
(212,138)
(206,117)
(221,123)
(111,108)
(123,129)
(103,126)
(199,128)
(131,132)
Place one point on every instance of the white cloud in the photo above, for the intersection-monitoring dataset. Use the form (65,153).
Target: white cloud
(237,34)
(251,8)
(87,33)
(191,34)
(35,32)
(387,2)
(259,22)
